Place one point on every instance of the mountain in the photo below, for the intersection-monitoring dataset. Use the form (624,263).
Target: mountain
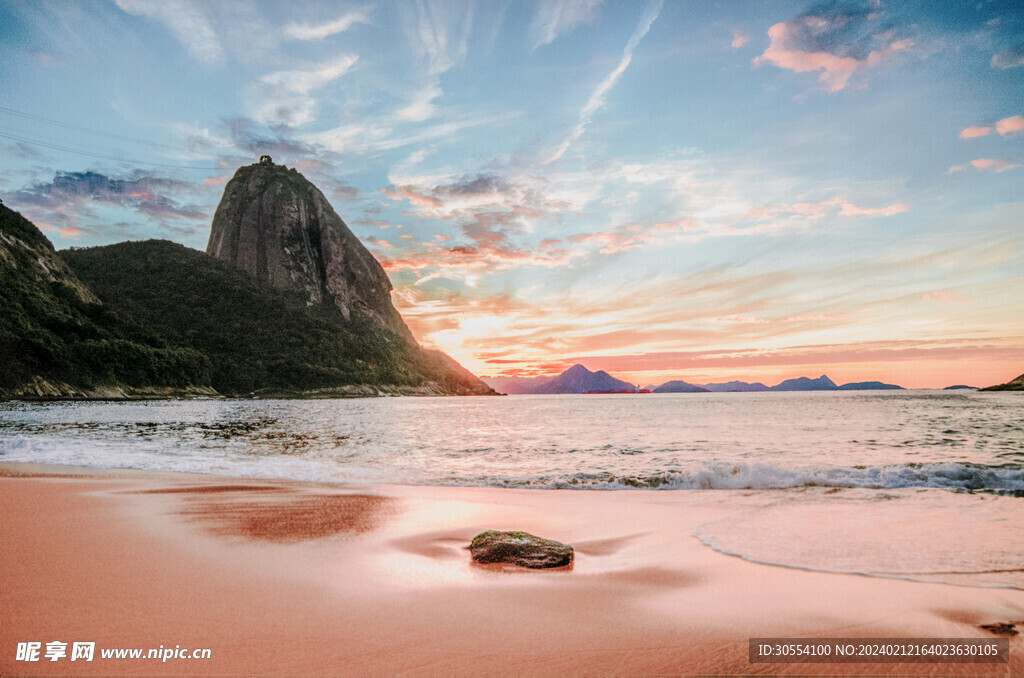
(679,387)
(959,387)
(1014,385)
(578,379)
(154,318)
(58,340)
(515,385)
(869,386)
(733,386)
(275,224)
(822,383)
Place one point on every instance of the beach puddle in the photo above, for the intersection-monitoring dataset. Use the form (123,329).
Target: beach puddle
(929,536)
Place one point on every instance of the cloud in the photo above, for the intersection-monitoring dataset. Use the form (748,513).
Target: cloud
(985,164)
(307,31)
(974,132)
(245,135)
(739,39)
(439,31)
(944,297)
(993,164)
(554,18)
(836,41)
(813,211)
(284,97)
(148,195)
(1011,57)
(596,100)
(1010,125)
(186,22)
(421,106)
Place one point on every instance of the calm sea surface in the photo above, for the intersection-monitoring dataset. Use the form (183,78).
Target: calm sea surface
(889,439)
(922,485)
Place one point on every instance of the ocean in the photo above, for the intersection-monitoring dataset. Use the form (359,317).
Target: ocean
(961,440)
(925,485)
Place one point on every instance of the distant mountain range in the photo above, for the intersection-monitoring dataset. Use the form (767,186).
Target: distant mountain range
(578,379)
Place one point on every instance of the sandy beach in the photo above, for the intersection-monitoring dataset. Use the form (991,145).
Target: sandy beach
(299,578)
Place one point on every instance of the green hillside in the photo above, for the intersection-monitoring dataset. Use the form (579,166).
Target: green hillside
(157,314)
(54,329)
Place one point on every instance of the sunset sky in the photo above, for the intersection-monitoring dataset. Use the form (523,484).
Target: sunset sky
(663,190)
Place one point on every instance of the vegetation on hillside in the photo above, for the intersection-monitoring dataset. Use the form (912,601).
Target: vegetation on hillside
(52,327)
(167,315)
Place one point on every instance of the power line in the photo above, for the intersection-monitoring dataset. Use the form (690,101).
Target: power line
(39,118)
(65,149)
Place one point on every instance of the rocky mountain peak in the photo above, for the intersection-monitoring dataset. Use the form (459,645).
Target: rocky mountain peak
(275,224)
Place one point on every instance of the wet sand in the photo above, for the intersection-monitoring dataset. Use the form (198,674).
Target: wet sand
(298,578)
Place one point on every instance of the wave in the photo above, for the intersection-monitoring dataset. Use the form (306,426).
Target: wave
(1007,479)
(154,456)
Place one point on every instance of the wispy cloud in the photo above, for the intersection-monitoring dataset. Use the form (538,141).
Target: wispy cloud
(1011,57)
(284,97)
(739,38)
(837,41)
(943,297)
(596,100)
(813,211)
(554,18)
(1010,125)
(439,32)
(986,164)
(186,21)
(306,31)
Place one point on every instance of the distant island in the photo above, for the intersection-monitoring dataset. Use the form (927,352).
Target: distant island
(285,302)
(578,379)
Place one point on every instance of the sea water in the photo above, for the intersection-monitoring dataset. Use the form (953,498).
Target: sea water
(844,471)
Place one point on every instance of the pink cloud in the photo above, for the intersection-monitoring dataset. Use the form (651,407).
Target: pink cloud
(813,211)
(994,164)
(944,297)
(814,42)
(739,39)
(974,132)
(417,199)
(215,181)
(70,232)
(1010,125)
(1014,123)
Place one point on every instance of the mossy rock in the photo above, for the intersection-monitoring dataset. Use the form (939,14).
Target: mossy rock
(520,548)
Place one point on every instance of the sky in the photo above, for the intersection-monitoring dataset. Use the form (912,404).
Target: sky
(663,190)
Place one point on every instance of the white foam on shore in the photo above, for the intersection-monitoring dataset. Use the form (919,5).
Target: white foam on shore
(945,538)
(154,456)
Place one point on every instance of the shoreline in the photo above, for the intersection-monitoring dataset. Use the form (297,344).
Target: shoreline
(280,576)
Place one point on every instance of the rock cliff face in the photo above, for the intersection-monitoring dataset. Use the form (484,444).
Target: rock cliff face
(278,226)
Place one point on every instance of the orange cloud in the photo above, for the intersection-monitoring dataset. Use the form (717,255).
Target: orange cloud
(70,232)
(215,181)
